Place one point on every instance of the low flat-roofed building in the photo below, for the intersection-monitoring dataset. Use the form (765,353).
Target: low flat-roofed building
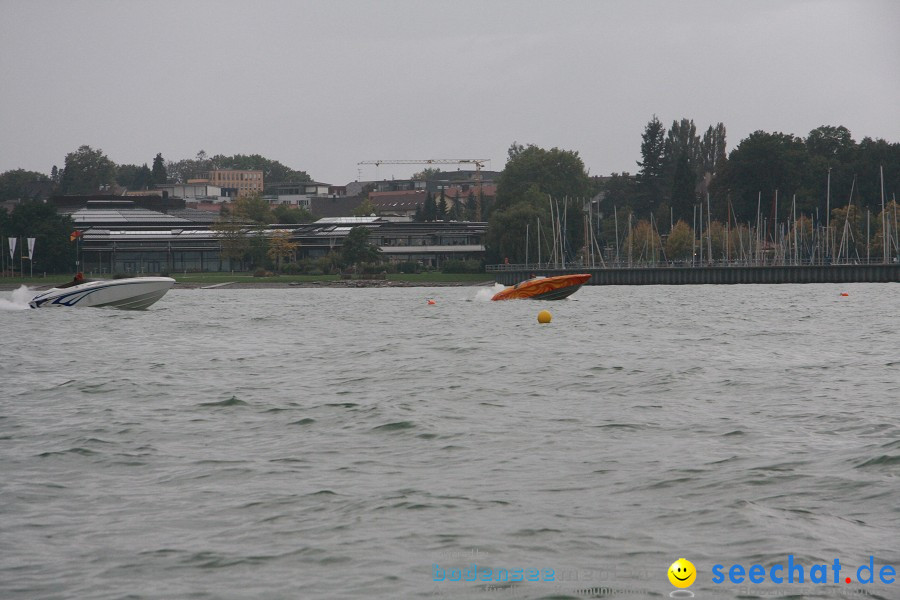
(193,192)
(299,193)
(128,239)
(234,182)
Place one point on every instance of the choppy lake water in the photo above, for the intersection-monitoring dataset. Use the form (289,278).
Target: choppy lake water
(355,443)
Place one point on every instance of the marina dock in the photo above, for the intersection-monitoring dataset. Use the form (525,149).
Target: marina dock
(705,275)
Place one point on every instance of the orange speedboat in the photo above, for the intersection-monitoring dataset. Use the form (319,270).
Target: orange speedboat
(544,288)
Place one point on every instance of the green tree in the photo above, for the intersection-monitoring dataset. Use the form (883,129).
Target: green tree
(53,252)
(622,191)
(712,150)
(14,184)
(441,208)
(831,142)
(650,176)
(801,238)
(456,211)
(86,170)
(886,232)
(365,209)
(684,183)
(281,248)
(159,175)
(183,170)
(134,177)
(714,238)
(357,249)
(644,243)
(241,228)
(680,243)
(288,215)
(252,208)
(712,159)
(233,240)
(557,173)
(259,245)
(848,233)
(740,243)
(554,174)
(273,171)
(871,159)
(426,174)
(760,164)
(506,233)
(429,209)
(471,212)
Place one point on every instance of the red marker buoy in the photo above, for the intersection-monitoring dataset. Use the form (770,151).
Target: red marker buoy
(430,301)
(844,294)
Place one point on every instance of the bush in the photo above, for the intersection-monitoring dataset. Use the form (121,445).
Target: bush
(462,266)
(372,268)
(325,264)
(261,273)
(408,267)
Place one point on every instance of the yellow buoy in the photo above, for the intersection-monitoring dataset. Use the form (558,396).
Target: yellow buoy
(544,316)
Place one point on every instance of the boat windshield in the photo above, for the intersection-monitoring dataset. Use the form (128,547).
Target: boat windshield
(534,278)
(77,280)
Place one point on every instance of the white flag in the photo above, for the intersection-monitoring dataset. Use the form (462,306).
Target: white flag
(12,247)
(30,248)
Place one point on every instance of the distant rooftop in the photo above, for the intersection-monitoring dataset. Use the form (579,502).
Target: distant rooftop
(348,221)
(124,216)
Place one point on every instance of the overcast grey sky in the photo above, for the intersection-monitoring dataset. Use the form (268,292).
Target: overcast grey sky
(323,85)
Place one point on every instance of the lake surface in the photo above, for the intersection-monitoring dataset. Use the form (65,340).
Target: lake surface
(359,443)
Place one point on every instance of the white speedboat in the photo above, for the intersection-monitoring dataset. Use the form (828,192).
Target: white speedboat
(132,293)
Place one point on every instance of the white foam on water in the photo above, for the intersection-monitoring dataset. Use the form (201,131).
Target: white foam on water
(486,293)
(19,300)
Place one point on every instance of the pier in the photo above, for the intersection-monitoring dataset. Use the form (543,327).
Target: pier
(705,275)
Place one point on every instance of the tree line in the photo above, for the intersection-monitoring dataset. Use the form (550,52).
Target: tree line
(89,171)
(772,182)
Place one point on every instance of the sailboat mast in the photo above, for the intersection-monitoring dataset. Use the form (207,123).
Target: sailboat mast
(828,214)
(616,217)
(526,245)
(794,211)
(884,221)
(709,227)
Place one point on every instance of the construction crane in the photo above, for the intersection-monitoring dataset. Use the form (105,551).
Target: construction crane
(478,162)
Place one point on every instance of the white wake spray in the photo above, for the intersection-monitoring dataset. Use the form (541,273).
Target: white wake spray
(486,293)
(19,300)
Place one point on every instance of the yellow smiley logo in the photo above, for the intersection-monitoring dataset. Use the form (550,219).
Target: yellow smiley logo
(682,573)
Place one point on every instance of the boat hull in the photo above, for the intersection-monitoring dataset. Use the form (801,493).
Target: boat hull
(547,288)
(131,294)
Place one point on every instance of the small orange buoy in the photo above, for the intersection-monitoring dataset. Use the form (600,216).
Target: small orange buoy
(430,301)
(844,294)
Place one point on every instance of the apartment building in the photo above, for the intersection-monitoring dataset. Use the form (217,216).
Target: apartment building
(234,182)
